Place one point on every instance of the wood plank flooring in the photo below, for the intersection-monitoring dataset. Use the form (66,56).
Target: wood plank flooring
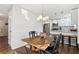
(3,42)
(66,49)
(5,48)
(63,49)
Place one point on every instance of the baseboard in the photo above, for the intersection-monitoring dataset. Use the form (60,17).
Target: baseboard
(9,46)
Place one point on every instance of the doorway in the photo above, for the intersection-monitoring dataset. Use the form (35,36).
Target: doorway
(3,32)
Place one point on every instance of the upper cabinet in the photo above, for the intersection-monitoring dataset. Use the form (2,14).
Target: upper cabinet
(74,17)
(63,21)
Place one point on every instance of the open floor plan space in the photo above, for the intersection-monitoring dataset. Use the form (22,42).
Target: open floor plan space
(39,28)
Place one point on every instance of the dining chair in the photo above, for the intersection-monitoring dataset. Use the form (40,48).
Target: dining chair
(33,34)
(54,48)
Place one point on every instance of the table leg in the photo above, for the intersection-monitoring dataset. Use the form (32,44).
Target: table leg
(40,52)
(26,49)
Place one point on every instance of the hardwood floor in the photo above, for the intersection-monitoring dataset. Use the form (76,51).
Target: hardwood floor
(63,49)
(3,42)
(5,48)
(66,49)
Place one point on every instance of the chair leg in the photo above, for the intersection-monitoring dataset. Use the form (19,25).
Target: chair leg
(69,39)
(62,39)
(76,43)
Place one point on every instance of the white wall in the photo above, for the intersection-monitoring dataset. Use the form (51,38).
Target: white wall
(21,26)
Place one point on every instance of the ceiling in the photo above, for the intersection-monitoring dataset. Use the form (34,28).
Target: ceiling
(52,10)
(4,9)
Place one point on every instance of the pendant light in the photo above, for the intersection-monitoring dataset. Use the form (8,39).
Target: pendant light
(42,17)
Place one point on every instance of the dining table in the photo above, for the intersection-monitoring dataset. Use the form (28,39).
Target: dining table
(39,42)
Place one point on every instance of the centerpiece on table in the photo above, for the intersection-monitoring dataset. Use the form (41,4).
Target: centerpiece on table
(42,34)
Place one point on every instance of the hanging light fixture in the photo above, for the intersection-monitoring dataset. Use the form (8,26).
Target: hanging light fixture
(39,18)
(42,17)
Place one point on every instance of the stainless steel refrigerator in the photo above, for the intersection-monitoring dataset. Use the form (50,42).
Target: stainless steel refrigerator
(46,28)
